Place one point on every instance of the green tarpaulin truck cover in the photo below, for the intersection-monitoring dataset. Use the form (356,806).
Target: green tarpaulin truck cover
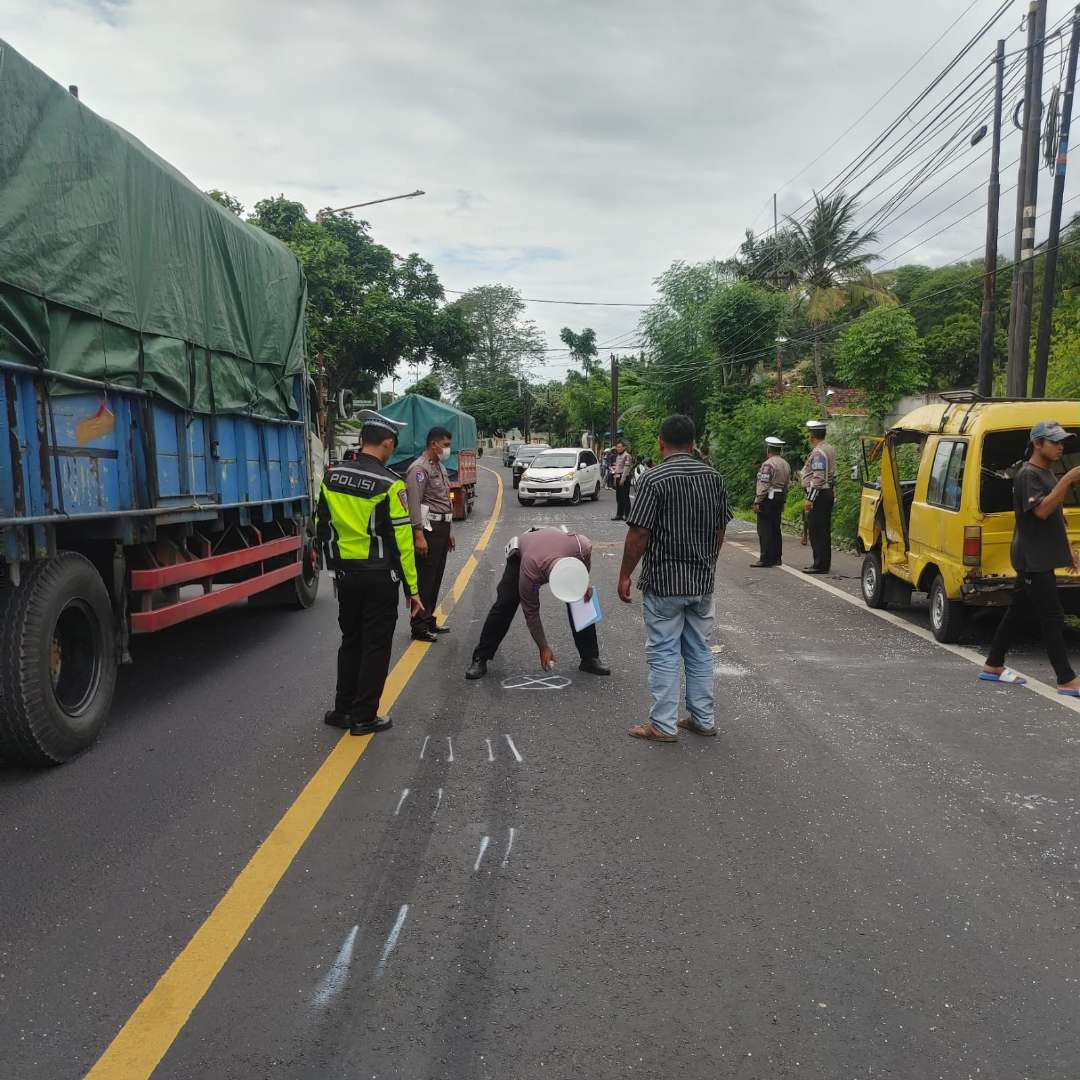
(115,266)
(421,414)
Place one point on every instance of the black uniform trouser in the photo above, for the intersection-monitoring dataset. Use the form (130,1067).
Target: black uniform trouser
(622,497)
(429,573)
(770,537)
(1038,594)
(505,608)
(367,613)
(819,525)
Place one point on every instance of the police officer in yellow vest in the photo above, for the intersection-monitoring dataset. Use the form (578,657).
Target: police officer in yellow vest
(363,525)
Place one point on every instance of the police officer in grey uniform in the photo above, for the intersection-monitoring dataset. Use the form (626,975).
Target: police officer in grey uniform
(819,482)
(430,514)
(773,481)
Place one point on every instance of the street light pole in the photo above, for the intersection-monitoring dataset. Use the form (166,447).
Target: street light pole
(993,203)
(372,202)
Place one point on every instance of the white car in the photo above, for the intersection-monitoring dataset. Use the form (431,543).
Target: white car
(568,473)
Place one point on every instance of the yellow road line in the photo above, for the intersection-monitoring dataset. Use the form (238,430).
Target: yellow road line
(152,1028)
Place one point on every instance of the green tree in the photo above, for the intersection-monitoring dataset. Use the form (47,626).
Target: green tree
(882,355)
(1063,368)
(429,386)
(230,202)
(952,352)
(743,322)
(548,412)
(503,342)
(834,266)
(680,348)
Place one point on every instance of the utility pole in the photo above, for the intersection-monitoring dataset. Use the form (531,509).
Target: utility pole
(1027,190)
(1046,314)
(993,203)
(614,395)
(776,245)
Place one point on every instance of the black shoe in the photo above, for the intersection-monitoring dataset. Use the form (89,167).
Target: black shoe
(424,635)
(592,666)
(371,727)
(763,565)
(477,669)
(337,719)
(440,629)
(814,570)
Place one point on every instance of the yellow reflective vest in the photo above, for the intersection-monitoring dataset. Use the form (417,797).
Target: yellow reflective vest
(363,520)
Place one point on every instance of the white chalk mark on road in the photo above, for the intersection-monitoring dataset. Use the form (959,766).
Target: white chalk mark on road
(450,744)
(509,846)
(427,739)
(401,801)
(392,940)
(491,753)
(438,803)
(334,979)
(480,857)
(513,748)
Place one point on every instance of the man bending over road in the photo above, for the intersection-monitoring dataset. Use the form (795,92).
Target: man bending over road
(677,526)
(530,561)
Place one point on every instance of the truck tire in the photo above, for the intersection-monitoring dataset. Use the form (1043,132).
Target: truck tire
(947,616)
(873,581)
(58,661)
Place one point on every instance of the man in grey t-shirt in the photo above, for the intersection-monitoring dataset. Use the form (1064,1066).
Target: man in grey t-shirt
(1040,547)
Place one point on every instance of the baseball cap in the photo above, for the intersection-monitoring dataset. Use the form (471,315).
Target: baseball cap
(1051,430)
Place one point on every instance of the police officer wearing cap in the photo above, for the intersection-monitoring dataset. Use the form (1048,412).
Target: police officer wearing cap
(819,481)
(773,481)
(430,513)
(363,526)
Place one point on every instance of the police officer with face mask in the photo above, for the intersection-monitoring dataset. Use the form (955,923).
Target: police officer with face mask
(363,526)
(431,514)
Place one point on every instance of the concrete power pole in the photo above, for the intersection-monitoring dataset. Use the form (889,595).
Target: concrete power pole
(614,396)
(1046,313)
(1027,190)
(776,242)
(993,203)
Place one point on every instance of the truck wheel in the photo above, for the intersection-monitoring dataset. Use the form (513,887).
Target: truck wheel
(306,583)
(57,661)
(946,616)
(873,581)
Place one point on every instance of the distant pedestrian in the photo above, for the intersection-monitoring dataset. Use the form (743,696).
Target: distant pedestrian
(676,530)
(363,526)
(621,471)
(1040,547)
(819,482)
(431,515)
(531,560)
(773,481)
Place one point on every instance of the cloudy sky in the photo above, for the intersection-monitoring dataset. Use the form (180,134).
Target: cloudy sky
(573,150)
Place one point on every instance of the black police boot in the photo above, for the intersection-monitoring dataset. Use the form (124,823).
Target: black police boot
(424,635)
(477,669)
(336,719)
(371,727)
(440,629)
(592,666)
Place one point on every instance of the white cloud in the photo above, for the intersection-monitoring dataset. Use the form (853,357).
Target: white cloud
(570,149)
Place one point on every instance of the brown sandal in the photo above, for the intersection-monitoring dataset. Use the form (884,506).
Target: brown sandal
(689,725)
(651,734)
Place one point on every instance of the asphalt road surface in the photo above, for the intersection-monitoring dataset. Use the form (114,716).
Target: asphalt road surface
(872,872)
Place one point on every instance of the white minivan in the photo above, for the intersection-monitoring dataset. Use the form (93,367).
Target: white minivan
(567,473)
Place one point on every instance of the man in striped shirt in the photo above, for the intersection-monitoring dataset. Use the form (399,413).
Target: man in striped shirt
(676,530)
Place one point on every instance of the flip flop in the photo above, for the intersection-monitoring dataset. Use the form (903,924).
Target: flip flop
(1070,693)
(1007,676)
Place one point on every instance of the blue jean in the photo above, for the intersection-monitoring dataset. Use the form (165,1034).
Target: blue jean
(679,627)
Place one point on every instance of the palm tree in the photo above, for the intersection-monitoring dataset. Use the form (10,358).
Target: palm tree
(833,266)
